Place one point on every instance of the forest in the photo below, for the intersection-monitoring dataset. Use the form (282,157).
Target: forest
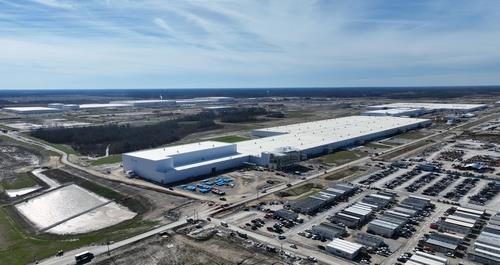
(94,140)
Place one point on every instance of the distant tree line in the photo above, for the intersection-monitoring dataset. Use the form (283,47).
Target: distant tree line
(94,140)
(242,115)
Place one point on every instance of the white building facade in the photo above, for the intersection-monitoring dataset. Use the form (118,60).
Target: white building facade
(298,141)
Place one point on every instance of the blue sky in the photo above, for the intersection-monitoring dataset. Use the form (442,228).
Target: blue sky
(254,43)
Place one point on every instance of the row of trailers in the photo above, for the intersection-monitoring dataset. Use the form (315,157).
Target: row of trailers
(453,229)
(323,199)
(393,221)
(357,214)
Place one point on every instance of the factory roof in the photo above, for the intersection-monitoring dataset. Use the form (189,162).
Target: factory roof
(303,136)
(165,152)
(363,211)
(435,258)
(29,109)
(462,219)
(329,227)
(307,203)
(345,246)
(380,196)
(459,223)
(487,246)
(368,240)
(404,210)
(493,226)
(395,111)
(372,206)
(348,216)
(489,238)
(496,256)
(336,191)
(403,215)
(418,259)
(469,210)
(441,243)
(429,106)
(457,237)
(208,162)
(104,105)
(466,214)
(384,224)
(141,101)
(393,219)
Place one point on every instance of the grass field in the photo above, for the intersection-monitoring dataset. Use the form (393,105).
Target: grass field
(413,135)
(18,247)
(297,114)
(341,157)
(22,180)
(112,159)
(301,190)
(376,146)
(340,174)
(61,147)
(67,149)
(230,139)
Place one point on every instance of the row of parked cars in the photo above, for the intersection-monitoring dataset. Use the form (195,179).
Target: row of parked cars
(439,186)
(402,179)
(486,194)
(378,176)
(461,189)
(421,181)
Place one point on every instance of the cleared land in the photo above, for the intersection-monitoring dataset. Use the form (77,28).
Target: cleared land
(20,245)
(112,159)
(341,157)
(22,180)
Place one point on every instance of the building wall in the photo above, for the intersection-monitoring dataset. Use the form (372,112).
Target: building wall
(204,155)
(380,230)
(454,228)
(162,171)
(341,253)
(437,248)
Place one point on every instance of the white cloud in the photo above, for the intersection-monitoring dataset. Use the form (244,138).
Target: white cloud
(56,3)
(217,43)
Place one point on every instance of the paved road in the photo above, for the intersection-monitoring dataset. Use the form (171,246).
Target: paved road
(281,244)
(137,182)
(68,258)
(413,240)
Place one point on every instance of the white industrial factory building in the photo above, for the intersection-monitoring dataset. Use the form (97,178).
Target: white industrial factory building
(430,107)
(278,147)
(402,112)
(31,110)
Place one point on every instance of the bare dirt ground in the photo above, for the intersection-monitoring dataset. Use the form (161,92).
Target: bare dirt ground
(178,249)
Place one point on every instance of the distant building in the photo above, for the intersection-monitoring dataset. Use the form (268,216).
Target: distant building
(280,147)
(443,242)
(329,231)
(32,110)
(402,112)
(431,107)
(285,215)
(487,245)
(344,249)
